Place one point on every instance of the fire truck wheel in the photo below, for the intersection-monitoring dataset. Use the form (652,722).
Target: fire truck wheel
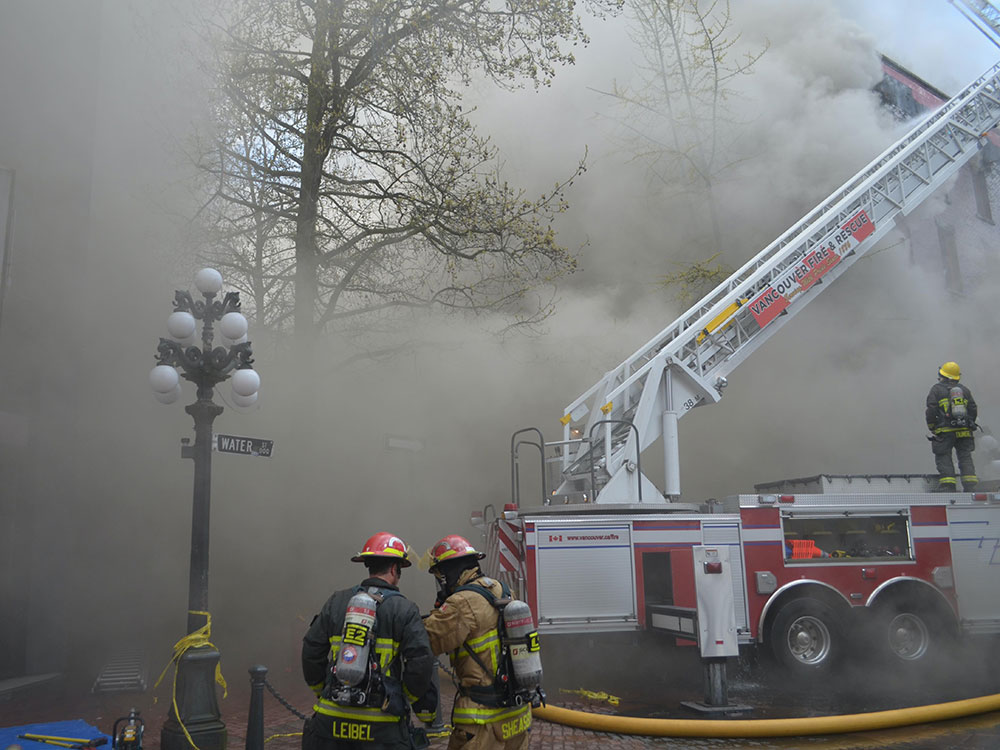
(910,634)
(806,636)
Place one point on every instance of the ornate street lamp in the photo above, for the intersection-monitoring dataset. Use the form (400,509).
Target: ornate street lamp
(196,709)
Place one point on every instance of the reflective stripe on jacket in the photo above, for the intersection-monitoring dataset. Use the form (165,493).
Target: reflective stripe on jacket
(401,646)
(938,409)
(466,617)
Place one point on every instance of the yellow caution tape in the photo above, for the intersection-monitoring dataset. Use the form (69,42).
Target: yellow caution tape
(278,736)
(197,639)
(612,699)
(566,419)
(607,407)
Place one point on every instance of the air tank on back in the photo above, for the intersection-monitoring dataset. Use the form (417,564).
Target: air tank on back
(525,651)
(959,412)
(355,643)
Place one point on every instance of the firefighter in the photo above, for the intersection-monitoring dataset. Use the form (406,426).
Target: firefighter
(463,624)
(951,417)
(405,661)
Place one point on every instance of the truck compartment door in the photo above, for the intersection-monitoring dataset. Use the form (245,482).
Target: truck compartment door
(726,534)
(975,558)
(585,577)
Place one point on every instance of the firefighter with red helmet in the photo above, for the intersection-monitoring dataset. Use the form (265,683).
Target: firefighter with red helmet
(951,417)
(375,712)
(464,624)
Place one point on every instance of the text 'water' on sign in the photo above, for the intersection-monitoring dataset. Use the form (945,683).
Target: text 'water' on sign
(243,445)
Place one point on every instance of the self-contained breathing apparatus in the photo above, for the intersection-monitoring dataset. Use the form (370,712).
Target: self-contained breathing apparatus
(129,737)
(518,677)
(356,677)
(958,414)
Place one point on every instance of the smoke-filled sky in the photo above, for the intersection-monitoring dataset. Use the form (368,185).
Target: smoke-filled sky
(840,390)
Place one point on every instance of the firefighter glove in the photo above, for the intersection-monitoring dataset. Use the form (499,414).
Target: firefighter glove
(425,707)
(395,702)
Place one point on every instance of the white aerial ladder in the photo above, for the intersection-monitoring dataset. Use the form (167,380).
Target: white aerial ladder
(986,13)
(687,364)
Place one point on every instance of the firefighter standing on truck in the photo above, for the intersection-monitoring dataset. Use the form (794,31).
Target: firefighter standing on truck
(951,417)
(464,624)
(373,712)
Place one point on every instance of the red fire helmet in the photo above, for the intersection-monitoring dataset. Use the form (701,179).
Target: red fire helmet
(384,544)
(452,547)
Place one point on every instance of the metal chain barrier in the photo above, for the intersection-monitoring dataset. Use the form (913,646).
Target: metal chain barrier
(446,670)
(282,700)
(255,722)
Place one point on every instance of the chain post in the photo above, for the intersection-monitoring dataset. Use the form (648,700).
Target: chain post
(255,722)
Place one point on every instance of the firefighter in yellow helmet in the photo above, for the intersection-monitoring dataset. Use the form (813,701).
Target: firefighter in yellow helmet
(951,417)
(464,624)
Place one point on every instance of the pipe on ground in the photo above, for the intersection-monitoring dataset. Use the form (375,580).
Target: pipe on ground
(798,727)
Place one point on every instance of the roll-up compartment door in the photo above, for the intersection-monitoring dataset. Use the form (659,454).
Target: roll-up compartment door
(585,575)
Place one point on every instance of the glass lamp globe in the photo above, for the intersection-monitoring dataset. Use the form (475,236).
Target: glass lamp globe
(245,400)
(208,281)
(181,325)
(170,396)
(163,378)
(246,382)
(233,325)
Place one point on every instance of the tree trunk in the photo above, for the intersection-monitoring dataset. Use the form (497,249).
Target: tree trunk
(313,155)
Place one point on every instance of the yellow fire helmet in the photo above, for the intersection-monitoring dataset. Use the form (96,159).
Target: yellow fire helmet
(950,370)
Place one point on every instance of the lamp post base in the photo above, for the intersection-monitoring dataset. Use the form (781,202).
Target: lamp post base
(196,703)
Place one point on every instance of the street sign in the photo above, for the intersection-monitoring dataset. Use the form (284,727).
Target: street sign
(244,446)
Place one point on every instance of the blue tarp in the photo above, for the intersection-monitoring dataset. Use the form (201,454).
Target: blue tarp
(76,728)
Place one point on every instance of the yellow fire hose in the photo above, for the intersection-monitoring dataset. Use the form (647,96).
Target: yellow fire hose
(799,727)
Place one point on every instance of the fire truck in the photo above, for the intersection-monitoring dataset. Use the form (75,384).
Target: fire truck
(817,563)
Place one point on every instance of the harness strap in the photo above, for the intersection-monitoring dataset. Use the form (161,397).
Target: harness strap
(475,657)
(487,696)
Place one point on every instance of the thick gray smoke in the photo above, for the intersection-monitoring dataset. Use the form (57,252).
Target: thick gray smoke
(841,389)
(102,499)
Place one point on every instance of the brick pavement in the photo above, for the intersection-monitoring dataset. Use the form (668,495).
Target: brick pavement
(70,698)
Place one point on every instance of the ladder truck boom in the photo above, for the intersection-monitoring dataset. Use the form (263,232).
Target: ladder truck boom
(985,12)
(687,364)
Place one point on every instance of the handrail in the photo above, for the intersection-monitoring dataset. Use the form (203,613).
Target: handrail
(607,457)
(515,490)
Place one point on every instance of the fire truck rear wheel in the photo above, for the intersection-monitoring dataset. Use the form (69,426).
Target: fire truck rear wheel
(807,636)
(910,634)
